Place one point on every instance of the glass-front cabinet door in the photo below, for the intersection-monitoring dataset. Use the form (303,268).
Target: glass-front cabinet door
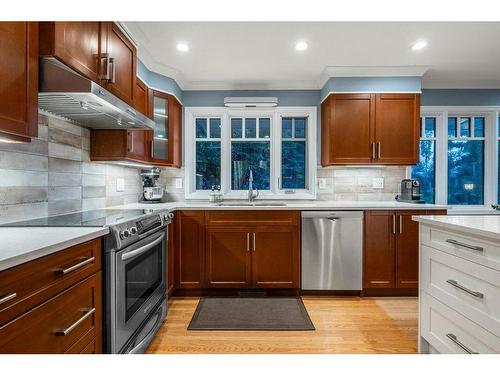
(160,133)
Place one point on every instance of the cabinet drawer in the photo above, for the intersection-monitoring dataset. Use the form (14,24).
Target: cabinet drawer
(465,246)
(467,287)
(34,282)
(450,332)
(57,324)
(248,217)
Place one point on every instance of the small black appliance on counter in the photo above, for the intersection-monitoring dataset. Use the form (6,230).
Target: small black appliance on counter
(410,191)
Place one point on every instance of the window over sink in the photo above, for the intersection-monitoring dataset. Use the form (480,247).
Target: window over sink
(277,145)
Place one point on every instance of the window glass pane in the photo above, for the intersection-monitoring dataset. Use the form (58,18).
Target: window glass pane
(293,165)
(425,170)
(430,127)
(286,127)
(254,156)
(300,128)
(201,128)
(465,127)
(465,172)
(264,128)
(215,128)
(452,126)
(207,164)
(478,126)
(236,128)
(160,117)
(250,128)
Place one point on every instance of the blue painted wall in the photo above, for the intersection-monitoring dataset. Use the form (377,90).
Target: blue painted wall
(373,84)
(159,81)
(480,97)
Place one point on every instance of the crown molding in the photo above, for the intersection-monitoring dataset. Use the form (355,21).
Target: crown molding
(371,71)
(267,85)
(157,67)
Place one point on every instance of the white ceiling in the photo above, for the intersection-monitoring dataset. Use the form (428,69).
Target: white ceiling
(239,55)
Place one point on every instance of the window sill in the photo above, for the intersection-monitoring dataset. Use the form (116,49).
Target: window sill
(474,210)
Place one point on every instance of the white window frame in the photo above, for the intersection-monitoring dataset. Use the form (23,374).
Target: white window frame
(490,153)
(275,115)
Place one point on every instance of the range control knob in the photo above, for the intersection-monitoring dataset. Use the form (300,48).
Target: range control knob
(133,231)
(170,215)
(124,234)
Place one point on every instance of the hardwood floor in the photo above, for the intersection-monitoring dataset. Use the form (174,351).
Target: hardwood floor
(344,325)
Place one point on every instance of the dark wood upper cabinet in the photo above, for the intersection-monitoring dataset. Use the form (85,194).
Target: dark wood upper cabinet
(166,138)
(118,144)
(348,131)
(77,44)
(189,249)
(142,97)
(18,81)
(119,56)
(370,129)
(228,260)
(276,257)
(397,127)
(379,249)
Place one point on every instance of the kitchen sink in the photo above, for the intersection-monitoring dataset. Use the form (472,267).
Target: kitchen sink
(251,204)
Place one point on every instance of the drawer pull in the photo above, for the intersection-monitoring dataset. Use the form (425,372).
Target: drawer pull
(64,271)
(465,289)
(453,338)
(76,324)
(7,297)
(467,246)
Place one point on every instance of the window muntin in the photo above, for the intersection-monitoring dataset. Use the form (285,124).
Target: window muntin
(293,153)
(425,170)
(207,153)
(466,160)
(250,151)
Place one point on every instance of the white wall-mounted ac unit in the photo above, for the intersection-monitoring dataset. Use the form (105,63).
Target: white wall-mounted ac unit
(247,102)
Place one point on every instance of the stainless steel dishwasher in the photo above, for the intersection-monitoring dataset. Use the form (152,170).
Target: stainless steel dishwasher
(332,243)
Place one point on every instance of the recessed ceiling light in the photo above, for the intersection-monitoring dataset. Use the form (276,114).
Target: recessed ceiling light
(183,47)
(417,46)
(301,46)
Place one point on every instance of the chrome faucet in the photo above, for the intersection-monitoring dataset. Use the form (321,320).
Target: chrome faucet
(251,195)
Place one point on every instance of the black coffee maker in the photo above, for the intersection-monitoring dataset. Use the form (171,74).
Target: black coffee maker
(410,191)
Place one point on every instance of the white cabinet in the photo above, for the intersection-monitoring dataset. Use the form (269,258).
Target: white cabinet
(459,304)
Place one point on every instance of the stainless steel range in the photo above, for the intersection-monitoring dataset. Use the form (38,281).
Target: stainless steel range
(135,256)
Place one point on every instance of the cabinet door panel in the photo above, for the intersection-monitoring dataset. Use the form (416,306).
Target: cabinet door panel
(276,257)
(171,257)
(352,116)
(228,258)
(397,128)
(137,144)
(141,97)
(190,249)
(123,63)
(19,80)
(406,250)
(160,136)
(379,249)
(175,141)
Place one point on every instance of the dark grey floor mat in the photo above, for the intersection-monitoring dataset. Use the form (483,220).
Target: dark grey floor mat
(251,314)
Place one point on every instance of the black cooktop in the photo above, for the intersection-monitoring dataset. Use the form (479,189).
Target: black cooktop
(93,218)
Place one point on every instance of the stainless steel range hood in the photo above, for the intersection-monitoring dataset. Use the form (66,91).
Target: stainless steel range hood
(67,94)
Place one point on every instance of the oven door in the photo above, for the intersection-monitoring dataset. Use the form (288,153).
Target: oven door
(140,284)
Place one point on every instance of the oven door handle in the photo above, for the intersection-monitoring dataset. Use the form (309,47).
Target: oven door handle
(143,249)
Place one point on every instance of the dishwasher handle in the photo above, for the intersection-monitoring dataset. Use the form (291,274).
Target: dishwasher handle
(332,214)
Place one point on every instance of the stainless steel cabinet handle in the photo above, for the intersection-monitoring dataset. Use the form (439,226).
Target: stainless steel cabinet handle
(106,67)
(253,241)
(467,246)
(465,289)
(66,331)
(143,249)
(7,297)
(113,70)
(379,150)
(400,224)
(453,338)
(153,148)
(64,271)
(393,224)
(374,156)
(248,241)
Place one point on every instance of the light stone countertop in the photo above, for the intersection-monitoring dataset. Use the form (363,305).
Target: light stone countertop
(20,245)
(481,225)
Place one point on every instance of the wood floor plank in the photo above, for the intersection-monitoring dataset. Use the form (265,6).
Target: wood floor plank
(344,325)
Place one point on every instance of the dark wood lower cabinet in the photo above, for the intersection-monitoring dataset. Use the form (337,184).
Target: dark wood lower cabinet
(276,257)
(406,250)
